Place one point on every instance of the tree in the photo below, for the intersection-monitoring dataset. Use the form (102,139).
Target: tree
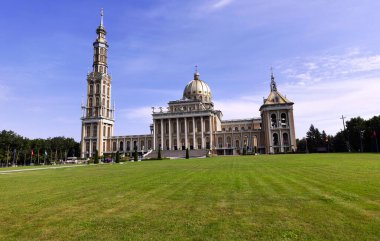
(96,157)
(117,159)
(159,154)
(187,153)
(135,156)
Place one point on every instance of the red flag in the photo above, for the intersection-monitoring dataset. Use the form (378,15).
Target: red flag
(32,152)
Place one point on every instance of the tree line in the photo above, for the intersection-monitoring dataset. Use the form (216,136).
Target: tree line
(358,135)
(18,150)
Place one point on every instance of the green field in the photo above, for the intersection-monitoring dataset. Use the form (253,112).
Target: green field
(278,197)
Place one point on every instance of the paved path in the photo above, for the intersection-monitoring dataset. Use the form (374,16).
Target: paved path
(36,169)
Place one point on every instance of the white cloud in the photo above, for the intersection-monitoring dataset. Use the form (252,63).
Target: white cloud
(221,4)
(325,87)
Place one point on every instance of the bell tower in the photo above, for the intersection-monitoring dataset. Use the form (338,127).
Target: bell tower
(278,122)
(97,112)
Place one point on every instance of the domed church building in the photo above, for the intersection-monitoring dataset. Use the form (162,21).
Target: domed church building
(191,122)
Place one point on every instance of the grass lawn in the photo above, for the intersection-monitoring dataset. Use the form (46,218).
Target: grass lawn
(277,197)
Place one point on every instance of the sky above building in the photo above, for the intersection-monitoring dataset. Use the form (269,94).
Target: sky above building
(325,56)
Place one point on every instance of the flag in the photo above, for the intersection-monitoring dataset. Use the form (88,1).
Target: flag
(32,152)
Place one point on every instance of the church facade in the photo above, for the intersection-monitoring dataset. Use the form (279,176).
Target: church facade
(190,122)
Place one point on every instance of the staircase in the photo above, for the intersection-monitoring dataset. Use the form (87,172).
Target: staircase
(174,154)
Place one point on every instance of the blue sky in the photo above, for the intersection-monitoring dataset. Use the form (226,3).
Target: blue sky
(325,55)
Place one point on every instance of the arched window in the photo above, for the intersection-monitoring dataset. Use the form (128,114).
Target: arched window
(90,102)
(275,139)
(94,130)
(284,121)
(220,142)
(285,139)
(237,144)
(97,89)
(135,145)
(236,128)
(190,127)
(273,120)
(121,146)
(228,141)
(199,126)
(97,101)
(142,145)
(91,90)
(88,131)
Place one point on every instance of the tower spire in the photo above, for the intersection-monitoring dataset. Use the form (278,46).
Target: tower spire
(196,73)
(273,85)
(101,17)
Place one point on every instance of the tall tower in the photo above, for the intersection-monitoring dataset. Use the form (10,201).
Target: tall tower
(97,113)
(278,122)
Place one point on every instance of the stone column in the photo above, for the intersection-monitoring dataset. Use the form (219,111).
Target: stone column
(162,134)
(194,141)
(170,135)
(90,148)
(178,141)
(83,147)
(185,132)
(202,133)
(154,135)
(210,132)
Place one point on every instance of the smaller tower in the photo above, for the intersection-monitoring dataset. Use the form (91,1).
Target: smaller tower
(278,122)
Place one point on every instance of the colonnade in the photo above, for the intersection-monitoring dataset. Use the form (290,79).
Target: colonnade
(183,132)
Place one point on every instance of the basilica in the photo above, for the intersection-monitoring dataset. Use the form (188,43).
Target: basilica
(191,122)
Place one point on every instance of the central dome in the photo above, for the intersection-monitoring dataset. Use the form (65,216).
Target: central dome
(197,90)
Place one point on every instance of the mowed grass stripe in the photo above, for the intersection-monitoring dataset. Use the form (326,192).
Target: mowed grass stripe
(281,197)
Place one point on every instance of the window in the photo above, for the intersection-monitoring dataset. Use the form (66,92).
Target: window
(228,141)
(108,91)
(104,131)
(114,146)
(237,144)
(190,127)
(91,90)
(142,145)
(90,102)
(88,131)
(220,142)
(97,89)
(109,131)
(283,120)
(236,128)
(150,144)
(97,101)
(121,146)
(275,139)
(273,120)
(94,130)
(285,139)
